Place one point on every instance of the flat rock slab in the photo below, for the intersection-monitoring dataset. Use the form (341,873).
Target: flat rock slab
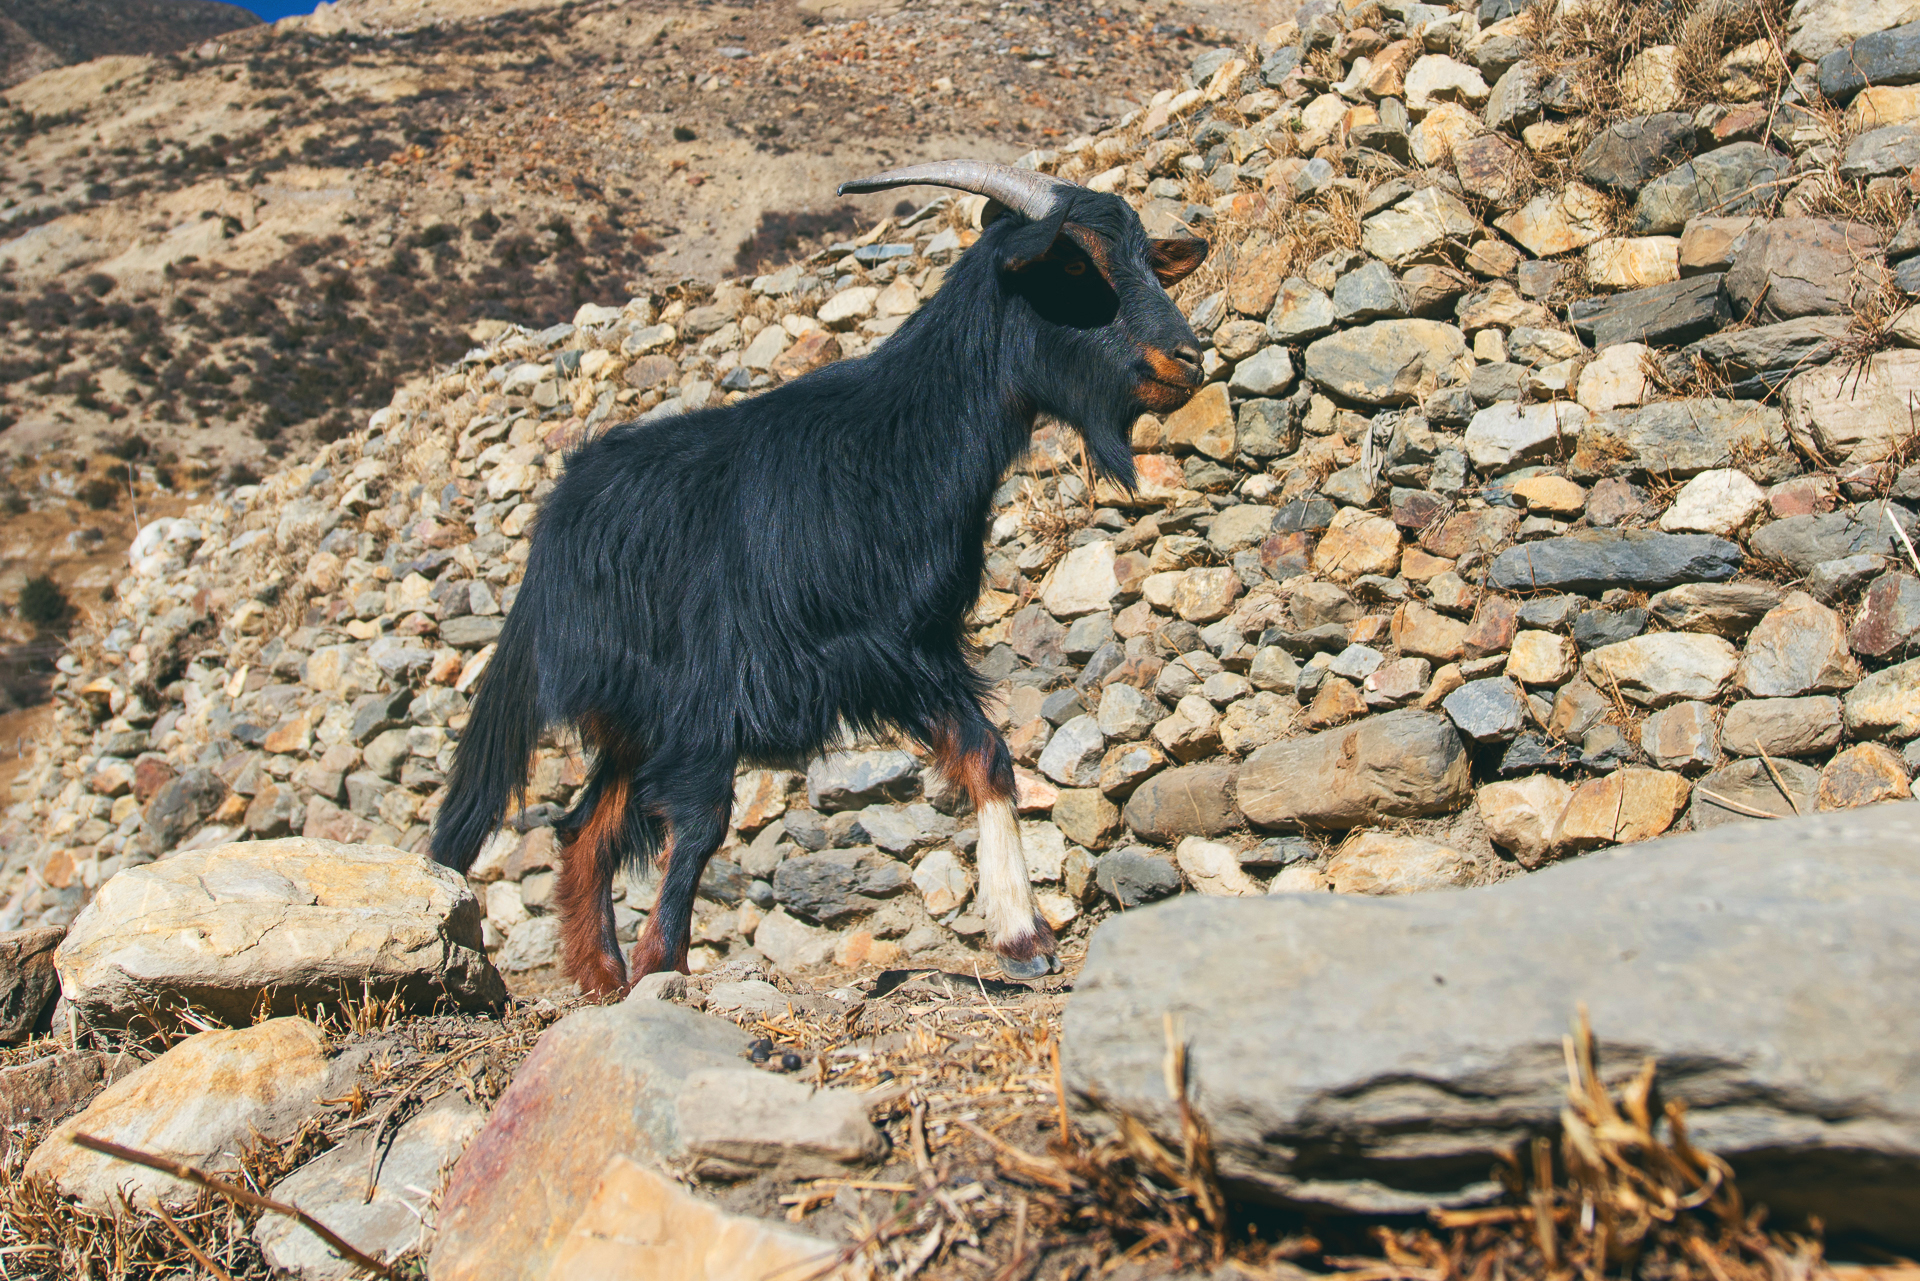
(643,1080)
(1598,559)
(332,1188)
(293,922)
(201,1102)
(1769,968)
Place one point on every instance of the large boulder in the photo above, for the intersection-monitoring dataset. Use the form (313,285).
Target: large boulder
(289,923)
(1797,1063)
(646,1081)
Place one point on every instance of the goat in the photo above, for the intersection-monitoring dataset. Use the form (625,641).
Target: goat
(752,582)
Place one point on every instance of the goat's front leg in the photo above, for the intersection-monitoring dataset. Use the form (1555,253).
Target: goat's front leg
(971,754)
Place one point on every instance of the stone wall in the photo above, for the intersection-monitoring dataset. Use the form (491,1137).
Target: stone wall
(1551,491)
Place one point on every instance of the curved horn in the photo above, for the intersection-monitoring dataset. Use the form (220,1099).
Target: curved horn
(1033,194)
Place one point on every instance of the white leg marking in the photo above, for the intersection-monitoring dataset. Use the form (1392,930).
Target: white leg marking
(1006,893)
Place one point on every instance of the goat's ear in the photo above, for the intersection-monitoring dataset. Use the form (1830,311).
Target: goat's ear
(1031,245)
(1174,260)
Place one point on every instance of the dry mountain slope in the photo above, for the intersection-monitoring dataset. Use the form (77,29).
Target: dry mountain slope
(244,247)
(37,35)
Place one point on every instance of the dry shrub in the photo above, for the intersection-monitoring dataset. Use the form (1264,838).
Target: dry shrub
(1629,1194)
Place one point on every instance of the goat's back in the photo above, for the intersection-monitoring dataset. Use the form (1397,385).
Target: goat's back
(756,572)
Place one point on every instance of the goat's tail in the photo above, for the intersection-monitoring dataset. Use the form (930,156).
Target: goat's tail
(490,764)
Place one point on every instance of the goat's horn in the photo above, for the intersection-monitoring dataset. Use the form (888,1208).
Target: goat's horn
(1033,194)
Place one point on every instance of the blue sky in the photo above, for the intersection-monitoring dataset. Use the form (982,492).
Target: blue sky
(275,9)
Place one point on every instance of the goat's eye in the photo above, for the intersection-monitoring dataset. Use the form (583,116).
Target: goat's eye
(1075,268)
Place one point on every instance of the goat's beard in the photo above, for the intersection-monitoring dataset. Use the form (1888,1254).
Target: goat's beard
(1109,447)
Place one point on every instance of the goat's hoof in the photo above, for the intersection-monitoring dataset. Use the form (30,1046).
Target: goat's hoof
(1032,968)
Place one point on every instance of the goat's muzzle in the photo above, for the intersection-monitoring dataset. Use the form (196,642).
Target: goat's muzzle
(1174,375)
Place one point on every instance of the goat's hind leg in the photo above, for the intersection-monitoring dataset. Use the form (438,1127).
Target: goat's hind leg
(972,755)
(695,802)
(595,837)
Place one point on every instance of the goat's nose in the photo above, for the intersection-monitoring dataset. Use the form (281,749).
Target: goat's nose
(1189,357)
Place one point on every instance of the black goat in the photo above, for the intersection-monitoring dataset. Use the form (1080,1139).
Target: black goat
(750,583)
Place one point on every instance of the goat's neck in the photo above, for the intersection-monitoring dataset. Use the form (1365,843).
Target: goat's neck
(956,372)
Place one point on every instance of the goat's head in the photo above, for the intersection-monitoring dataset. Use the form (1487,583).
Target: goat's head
(1108,343)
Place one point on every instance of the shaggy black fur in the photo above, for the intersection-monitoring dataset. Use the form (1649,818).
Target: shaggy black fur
(750,582)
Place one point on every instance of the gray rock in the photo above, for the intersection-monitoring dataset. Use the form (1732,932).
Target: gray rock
(381,712)
(533,943)
(1793,267)
(1660,316)
(28,984)
(1682,438)
(387,753)
(1880,153)
(1681,737)
(1354,486)
(1734,179)
(1836,580)
(833,884)
(1675,947)
(1883,58)
(1724,609)
(333,1189)
(1072,755)
(1805,541)
(1268,372)
(472,631)
(1548,613)
(1488,711)
(1788,346)
(1267,428)
(1128,714)
(1907,275)
(1404,764)
(1372,292)
(1747,790)
(1782,726)
(1193,800)
(180,806)
(1136,875)
(1390,362)
(1304,515)
(1515,101)
(1300,312)
(1628,152)
(1596,627)
(1598,559)
(1085,635)
(848,780)
(1500,381)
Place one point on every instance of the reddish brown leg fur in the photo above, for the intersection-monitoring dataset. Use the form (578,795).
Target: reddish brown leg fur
(586,882)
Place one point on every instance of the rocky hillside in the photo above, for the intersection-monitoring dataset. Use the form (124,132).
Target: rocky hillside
(241,249)
(1554,490)
(38,35)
